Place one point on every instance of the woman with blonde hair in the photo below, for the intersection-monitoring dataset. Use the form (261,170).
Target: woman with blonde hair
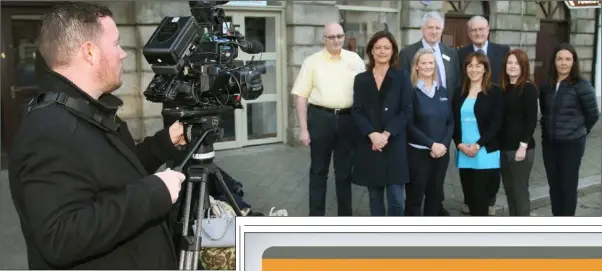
(429,135)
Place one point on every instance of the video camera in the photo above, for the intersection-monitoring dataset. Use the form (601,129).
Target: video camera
(193,60)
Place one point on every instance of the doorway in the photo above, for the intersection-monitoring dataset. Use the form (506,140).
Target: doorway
(554,29)
(550,35)
(18,56)
(261,120)
(455,33)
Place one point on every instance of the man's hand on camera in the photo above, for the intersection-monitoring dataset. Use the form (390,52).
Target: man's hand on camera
(173,180)
(176,133)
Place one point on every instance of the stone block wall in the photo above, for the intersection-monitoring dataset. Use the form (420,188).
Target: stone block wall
(516,25)
(583,26)
(136,21)
(304,25)
(411,20)
(129,92)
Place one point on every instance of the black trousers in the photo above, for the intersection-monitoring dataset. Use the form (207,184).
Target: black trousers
(427,175)
(330,135)
(477,185)
(562,161)
(492,189)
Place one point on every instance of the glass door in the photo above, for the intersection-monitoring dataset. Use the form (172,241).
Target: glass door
(260,121)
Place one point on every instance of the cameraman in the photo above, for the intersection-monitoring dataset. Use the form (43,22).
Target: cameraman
(80,185)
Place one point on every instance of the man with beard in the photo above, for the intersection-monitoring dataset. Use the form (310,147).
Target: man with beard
(80,184)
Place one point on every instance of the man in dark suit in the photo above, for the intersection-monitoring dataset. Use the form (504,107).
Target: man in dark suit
(478,31)
(445,56)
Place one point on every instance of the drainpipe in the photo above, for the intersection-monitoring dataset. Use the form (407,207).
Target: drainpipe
(596,66)
(522,11)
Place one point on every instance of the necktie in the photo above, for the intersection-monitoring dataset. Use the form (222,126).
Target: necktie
(481,51)
(439,78)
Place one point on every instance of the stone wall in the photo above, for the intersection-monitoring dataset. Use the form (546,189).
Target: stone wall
(511,23)
(583,26)
(515,24)
(137,20)
(129,92)
(304,24)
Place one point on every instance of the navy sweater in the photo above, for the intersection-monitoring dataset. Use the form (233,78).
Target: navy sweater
(433,118)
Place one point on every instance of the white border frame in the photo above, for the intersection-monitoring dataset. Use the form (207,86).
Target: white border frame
(409,224)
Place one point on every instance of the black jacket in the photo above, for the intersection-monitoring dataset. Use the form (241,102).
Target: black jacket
(495,53)
(374,168)
(569,113)
(84,195)
(520,116)
(489,111)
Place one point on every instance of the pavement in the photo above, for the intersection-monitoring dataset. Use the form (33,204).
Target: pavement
(276,175)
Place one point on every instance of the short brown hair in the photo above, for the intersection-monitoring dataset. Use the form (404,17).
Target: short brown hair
(394,62)
(481,59)
(66,26)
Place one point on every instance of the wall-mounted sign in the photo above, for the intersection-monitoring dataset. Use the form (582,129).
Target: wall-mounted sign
(583,4)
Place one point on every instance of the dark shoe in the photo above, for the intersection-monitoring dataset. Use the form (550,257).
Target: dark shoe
(443,212)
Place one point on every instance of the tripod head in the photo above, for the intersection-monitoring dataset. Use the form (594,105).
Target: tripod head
(203,131)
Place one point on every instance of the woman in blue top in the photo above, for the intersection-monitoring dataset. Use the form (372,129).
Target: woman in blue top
(478,116)
(429,137)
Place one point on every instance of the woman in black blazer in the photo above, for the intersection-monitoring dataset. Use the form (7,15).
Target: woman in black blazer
(478,115)
(430,134)
(569,111)
(382,109)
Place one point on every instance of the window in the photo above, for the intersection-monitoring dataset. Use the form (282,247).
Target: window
(359,27)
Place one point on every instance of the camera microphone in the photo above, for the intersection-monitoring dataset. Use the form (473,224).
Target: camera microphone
(250,46)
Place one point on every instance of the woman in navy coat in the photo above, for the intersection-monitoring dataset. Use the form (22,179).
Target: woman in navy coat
(382,109)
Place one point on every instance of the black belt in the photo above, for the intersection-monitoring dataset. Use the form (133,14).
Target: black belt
(339,111)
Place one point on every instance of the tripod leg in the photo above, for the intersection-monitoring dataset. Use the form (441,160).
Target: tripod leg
(229,197)
(199,225)
(186,220)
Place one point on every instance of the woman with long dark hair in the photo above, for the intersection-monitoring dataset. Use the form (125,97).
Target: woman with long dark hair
(382,109)
(569,111)
(516,136)
(478,115)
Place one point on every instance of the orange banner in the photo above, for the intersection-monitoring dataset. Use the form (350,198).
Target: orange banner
(430,264)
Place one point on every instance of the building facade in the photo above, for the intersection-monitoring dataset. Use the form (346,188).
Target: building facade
(291,31)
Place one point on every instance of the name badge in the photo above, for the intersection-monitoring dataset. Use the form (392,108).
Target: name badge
(443,99)
(444,56)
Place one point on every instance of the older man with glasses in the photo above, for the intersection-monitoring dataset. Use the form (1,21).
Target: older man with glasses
(324,95)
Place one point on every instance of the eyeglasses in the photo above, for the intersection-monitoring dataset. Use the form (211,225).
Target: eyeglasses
(478,30)
(333,37)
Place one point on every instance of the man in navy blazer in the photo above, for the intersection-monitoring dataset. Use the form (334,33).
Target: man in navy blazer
(478,32)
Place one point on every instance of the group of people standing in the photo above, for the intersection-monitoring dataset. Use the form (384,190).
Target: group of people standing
(392,125)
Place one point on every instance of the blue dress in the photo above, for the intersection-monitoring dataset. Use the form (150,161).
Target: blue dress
(470,135)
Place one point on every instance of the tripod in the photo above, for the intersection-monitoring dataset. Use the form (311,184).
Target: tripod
(201,167)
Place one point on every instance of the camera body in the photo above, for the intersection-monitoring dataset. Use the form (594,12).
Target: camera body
(193,58)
